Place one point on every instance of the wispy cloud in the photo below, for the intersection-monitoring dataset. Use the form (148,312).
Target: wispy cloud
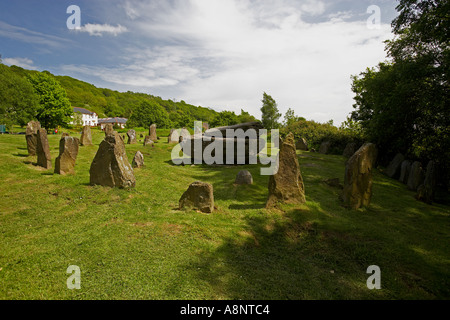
(20,62)
(100,29)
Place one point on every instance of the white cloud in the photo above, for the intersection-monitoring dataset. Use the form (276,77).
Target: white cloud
(20,62)
(100,29)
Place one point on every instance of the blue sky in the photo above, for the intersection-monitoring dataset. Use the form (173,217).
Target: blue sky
(215,53)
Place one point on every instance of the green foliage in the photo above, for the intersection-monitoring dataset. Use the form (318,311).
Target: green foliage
(54,106)
(18,103)
(149,113)
(270,114)
(245,117)
(225,118)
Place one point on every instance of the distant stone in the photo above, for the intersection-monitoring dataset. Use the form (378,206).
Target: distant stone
(425,192)
(198,196)
(109,129)
(68,151)
(358,177)
(43,150)
(148,141)
(334,182)
(287,184)
(313,150)
(349,150)
(65,134)
(405,168)
(244,177)
(131,136)
(174,136)
(110,166)
(301,144)
(86,136)
(393,169)
(416,176)
(31,136)
(138,160)
(184,134)
(325,147)
(152,133)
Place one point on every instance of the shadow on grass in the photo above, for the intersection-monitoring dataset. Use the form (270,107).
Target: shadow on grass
(21,155)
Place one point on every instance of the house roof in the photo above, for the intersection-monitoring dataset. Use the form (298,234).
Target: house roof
(83,110)
(112,120)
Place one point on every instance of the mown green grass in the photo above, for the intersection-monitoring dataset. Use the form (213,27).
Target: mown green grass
(136,244)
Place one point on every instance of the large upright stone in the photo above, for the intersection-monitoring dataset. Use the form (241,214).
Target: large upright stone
(405,168)
(43,150)
(393,169)
(131,136)
(138,160)
(416,176)
(109,129)
(184,134)
(325,147)
(287,184)
(86,136)
(31,136)
(425,192)
(198,196)
(152,133)
(68,151)
(358,177)
(148,141)
(110,166)
(349,150)
(301,144)
(174,136)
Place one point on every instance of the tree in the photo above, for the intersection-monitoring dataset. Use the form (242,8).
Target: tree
(290,117)
(245,117)
(148,113)
(270,114)
(403,104)
(54,107)
(224,118)
(18,103)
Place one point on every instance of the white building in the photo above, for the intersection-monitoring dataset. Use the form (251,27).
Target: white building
(87,118)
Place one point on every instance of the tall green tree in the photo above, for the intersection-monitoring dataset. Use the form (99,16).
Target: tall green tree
(18,103)
(54,107)
(270,114)
(148,113)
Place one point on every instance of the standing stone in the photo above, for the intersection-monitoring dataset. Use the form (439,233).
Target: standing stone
(184,134)
(301,144)
(109,129)
(152,133)
(68,151)
(349,150)
(86,136)
(148,141)
(199,196)
(174,136)
(131,136)
(287,184)
(358,177)
(110,166)
(393,169)
(43,149)
(325,147)
(416,176)
(405,168)
(244,177)
(138,160)
(425,192)
(31,136)
(65,134)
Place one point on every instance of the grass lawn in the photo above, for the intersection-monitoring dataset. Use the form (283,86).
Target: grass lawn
(135,244)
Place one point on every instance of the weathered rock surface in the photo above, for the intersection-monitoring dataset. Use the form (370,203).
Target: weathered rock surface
(31,136)
(110,166)
(287,184)
(301,144)
(358,177)
(244,177)
(86,136)
(174,136)
(152,133)
(393,169)
(425,192)
(148,141)
(349,150)
(138,160)
(68,151)
(131,136)
(405,168)
(325,147)
(109,129)
(198,196)
(416,176)
(43,149)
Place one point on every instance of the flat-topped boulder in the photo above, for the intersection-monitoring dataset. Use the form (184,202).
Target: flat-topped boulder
(86,136)
(286,185)
(358,177)
(43,149)
(110,166)
(31,136)
(68,151)
(199,196)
